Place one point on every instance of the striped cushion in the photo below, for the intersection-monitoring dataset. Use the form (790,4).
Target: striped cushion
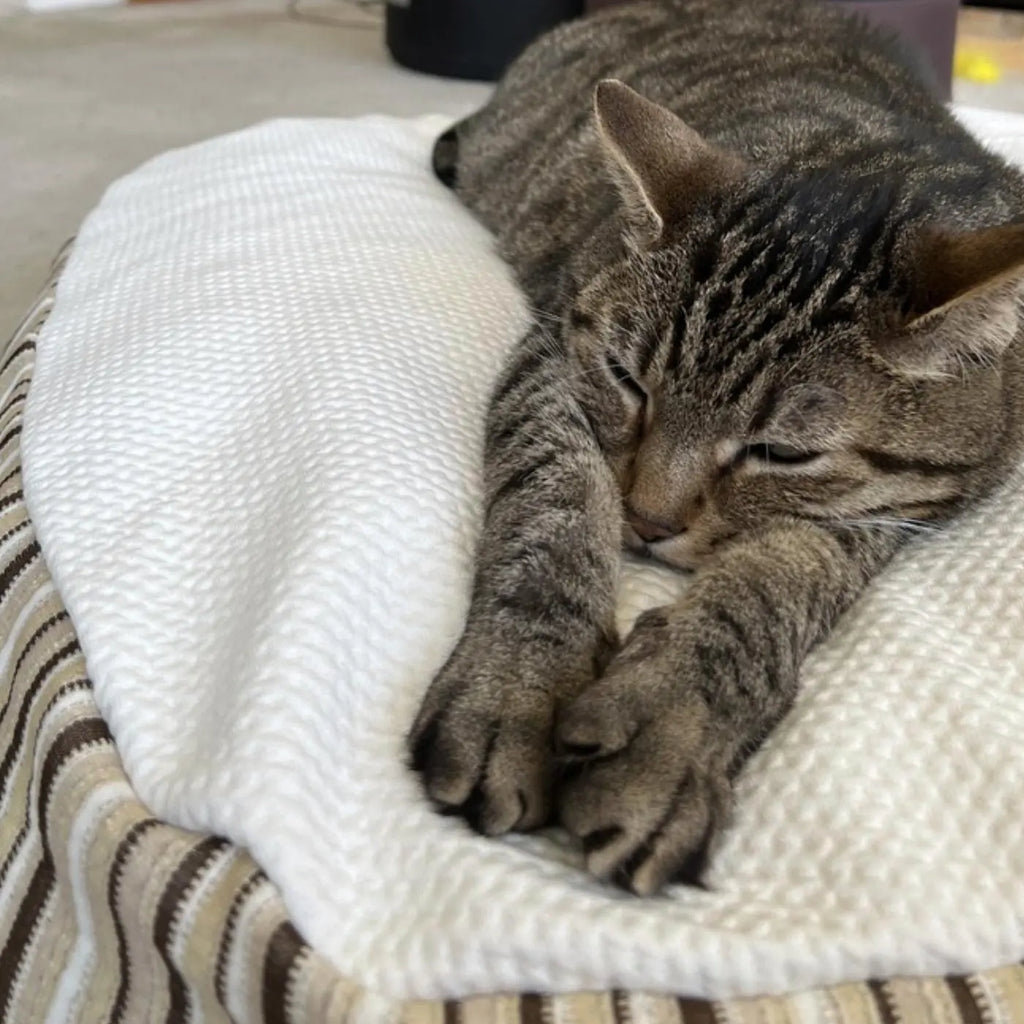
(107,914)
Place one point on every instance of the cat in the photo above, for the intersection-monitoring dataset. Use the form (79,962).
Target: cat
(777,292)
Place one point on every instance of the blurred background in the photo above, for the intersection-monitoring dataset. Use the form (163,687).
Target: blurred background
(87,92)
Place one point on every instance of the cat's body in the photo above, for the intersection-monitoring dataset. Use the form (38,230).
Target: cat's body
(785,85)
(769,336)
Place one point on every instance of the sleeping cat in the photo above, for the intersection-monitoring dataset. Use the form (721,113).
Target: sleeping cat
(777,294)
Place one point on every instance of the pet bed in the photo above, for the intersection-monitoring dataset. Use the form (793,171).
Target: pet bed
(250,459)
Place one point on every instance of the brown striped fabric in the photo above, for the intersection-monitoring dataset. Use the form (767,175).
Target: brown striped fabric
(108,915)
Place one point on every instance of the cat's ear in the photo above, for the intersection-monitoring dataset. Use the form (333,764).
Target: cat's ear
(661,165)
(967,301)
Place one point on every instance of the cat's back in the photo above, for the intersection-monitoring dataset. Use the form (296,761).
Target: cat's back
(778,81)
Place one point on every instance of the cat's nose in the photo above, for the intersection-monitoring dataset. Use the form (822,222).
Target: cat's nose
(647,527)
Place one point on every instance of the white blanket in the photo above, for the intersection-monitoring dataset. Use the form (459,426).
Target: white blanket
(251,452)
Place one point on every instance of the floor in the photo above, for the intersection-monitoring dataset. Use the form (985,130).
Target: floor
(85,96)
(1001,35)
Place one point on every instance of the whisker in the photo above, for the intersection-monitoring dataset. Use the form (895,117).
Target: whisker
(543,314)
(892,522)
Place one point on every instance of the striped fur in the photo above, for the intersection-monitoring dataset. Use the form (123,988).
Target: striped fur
(777,293)
(109,915)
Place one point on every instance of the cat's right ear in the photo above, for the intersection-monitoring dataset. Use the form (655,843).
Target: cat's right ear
(661,165)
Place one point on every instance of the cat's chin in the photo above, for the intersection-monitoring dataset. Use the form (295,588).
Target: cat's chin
(680,552)
(678,559)
(670,553)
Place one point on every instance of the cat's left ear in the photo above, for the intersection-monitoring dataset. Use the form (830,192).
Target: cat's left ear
(967,301)
(661,165)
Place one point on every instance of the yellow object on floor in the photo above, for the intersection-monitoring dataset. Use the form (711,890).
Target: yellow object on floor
(976,66)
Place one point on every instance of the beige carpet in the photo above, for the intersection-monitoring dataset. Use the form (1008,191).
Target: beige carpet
(87,96)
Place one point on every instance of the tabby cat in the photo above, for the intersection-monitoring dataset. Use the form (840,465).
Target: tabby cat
(778,292)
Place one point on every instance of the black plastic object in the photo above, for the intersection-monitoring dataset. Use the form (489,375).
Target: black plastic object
(469,38)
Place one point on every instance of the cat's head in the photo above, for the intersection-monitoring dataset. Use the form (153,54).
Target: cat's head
(787,344)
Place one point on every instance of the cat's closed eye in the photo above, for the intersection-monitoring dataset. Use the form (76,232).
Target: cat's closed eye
(626,379)
(769,453)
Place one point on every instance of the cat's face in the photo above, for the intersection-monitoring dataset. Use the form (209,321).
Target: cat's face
(720,425)
(803,345)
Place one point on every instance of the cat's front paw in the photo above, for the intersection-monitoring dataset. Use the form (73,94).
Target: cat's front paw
(482,740)
(645,785)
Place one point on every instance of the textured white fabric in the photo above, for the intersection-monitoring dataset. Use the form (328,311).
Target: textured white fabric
(251,453)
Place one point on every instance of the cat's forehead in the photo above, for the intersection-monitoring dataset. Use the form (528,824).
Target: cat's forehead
(708,413)
(811,236)
(761,296)
(737,364)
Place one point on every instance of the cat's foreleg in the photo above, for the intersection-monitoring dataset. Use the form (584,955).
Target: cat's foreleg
(541,617)
(695,689)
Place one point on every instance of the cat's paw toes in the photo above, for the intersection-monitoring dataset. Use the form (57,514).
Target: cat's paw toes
(485,761)
(645,799)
